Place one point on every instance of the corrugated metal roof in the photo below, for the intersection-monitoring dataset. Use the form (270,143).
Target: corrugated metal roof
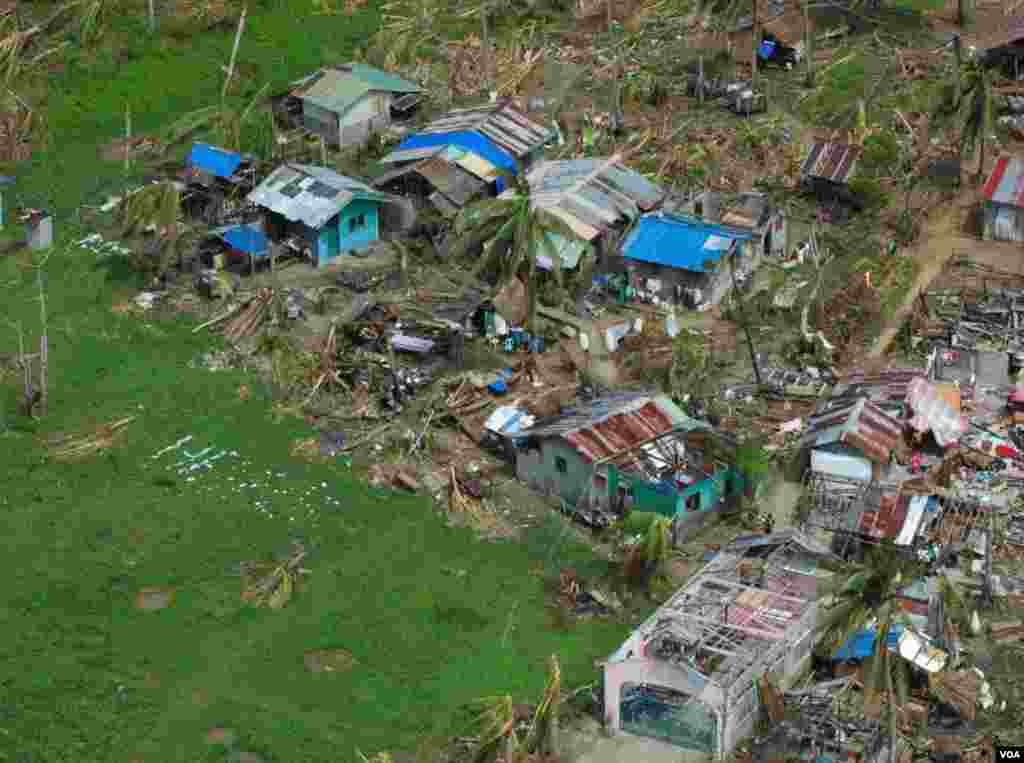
(338,88)
(411,155)
(1006,183)
(569,251)
(503,124)
(887,520)
(861,424)
(612,426)
(831,161)
(308,194)
(451,180)
(467,140)
(587,200)
(679,242)
(216,161)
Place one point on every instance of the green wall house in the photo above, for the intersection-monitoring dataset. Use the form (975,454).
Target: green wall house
(639,450)
(329,213)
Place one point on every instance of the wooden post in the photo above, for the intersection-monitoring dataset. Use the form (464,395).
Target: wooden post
(43,344)
(809,43)
(152,17)
(700,79)
(127,137)
(485,47)
(234,51)
(757,44)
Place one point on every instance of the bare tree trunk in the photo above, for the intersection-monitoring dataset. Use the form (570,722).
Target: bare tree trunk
(485,47)
(757,44)
(809,43)
(152,16)
(234,52)
(611,19)
(43,346)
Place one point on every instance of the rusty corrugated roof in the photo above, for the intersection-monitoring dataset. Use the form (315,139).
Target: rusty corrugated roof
(859,424)
(1006,183)
(501,122)
(887,520)
(831,161)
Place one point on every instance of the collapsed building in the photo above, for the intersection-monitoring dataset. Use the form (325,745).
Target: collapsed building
(688,676)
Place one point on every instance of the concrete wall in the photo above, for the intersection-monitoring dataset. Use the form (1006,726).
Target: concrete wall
(337,238)
(320,121)
(368,107)
(539,470)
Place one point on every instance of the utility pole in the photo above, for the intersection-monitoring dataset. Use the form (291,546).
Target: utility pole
(743,320)
(809,43)
(757,44)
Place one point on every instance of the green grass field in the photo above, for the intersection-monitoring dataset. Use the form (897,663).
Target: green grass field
(86,676)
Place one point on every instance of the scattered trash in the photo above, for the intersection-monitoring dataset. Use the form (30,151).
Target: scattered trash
(328,660)
(147,300)
(154,599)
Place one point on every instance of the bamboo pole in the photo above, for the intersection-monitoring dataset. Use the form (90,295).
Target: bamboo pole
(43,345)
(234,51)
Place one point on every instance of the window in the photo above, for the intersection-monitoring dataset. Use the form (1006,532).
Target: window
(561,465)
(693,502)
(357,222)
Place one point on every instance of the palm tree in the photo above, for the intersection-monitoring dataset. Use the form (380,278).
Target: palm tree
(975,109)
(870,595)
(515,232)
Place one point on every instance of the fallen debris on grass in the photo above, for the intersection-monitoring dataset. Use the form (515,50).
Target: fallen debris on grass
(272,585)
(153,599)
(104,438)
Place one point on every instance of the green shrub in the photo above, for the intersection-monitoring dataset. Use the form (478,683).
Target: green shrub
(881,153)
(870,192)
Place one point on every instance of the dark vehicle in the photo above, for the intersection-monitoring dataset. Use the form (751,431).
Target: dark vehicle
(775,52)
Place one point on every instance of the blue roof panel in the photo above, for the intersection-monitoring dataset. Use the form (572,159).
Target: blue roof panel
(861,645)
(247,239)
(679,242)
(216,161)
(468,140)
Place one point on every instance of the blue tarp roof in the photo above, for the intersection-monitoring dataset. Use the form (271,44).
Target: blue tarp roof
(468,140)
(679,242)
(216,161)
(862,644)
(246,239)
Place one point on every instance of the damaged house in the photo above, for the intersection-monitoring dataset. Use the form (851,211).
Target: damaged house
(633,450)
(595,199)
(684,261)
(317,213)
(1003,202)
(216,182)
(465,154)
(688,676)
(750,211)
(346,104)
(826,173)
(852,440)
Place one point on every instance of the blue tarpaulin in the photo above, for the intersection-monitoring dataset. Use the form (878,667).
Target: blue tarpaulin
(862,644)
(679,243)
(766,51)
(216,161)
(247,240)
(470,141)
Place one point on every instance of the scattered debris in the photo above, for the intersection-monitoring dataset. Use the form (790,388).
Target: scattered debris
(154,599)
(82,446)
(272,585)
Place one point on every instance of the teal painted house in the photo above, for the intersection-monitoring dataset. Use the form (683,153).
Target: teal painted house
(326,214)
(635,450)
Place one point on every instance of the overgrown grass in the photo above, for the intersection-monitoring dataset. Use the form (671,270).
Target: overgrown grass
(90,678)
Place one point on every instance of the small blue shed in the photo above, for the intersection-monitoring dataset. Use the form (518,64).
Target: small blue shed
(211,160)
(331,214)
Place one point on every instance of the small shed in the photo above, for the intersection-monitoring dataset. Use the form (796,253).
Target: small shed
(345,104)
(854,441)
(319,210)
(688,676)
(685,260)
(1003,202)
(245,241)
(827,170)
(749,211)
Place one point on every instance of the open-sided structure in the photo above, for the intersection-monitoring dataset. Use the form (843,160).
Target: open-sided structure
(688,675)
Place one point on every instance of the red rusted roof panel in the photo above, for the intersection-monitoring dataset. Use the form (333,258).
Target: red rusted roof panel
(620,433)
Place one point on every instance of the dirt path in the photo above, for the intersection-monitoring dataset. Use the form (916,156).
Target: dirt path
(941,239)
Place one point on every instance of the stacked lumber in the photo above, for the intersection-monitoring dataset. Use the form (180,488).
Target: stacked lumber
(249,317)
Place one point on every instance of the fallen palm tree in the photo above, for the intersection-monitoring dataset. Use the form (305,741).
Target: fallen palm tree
(250,317)
(104,438)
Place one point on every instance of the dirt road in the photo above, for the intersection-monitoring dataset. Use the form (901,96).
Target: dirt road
(940,240)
